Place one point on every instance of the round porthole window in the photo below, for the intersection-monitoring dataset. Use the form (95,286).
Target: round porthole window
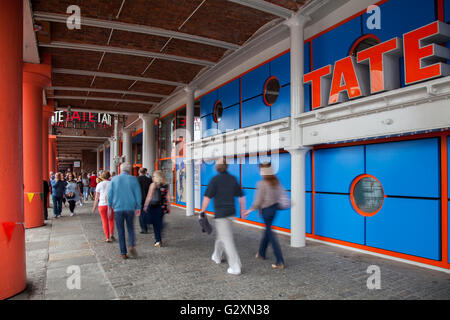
(271,91)
(218,110)
(367,195)
(364,43)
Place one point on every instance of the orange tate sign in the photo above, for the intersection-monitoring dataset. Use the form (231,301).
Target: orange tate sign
(376,69)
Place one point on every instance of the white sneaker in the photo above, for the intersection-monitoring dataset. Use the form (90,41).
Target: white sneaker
(214,258)
(72,214)
(231,271)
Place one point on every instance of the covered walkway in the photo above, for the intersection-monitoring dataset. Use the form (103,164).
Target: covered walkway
(183,270)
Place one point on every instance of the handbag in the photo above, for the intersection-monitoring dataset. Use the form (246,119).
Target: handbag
(283,200)
(70,195)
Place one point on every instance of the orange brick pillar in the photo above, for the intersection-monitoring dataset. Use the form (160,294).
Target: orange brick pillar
(51,154)
(35,78)
(12,233)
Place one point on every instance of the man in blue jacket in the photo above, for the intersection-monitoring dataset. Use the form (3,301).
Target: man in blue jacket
(124,197)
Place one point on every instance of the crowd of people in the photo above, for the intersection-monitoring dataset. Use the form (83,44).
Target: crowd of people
(120,198)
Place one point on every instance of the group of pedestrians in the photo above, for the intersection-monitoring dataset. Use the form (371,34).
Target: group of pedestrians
(223,188)
(119,199)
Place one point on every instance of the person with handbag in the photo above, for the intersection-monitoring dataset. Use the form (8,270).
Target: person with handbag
(73,193)
(144,183)
(101,202)
(157,204)
(269,195)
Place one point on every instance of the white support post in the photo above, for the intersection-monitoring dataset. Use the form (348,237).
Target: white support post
(116,144)
(98,160)
(111,156)
(104,155)
(296,25)
(148,142)
(189,165)
(126,145)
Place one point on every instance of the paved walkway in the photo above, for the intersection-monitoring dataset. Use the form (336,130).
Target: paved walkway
(182,269)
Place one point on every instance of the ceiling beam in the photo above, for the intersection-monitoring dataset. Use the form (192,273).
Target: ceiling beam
(62,18)
(125,51)
(116,76)
(107,91)
(72,108)
(266,7)
(102,99)
(82,137)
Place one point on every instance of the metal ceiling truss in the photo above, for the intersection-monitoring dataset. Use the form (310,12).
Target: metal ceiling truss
(266,7)
(62,18)
(107,91)
(102,99)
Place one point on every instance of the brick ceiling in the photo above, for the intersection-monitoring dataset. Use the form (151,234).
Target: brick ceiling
(213,19)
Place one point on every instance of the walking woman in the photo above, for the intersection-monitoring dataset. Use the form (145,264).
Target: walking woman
(85,181)
(73,193)
(58,188)
(101,202)
(268,193)
(157,204)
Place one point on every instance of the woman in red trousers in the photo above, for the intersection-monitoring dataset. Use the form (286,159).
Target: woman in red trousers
(101,202)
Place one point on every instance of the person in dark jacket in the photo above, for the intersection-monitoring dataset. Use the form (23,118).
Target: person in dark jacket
(145,183)
(46,192)
(59,188)
(224,188)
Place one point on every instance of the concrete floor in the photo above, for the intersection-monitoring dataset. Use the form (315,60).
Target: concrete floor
(182,268)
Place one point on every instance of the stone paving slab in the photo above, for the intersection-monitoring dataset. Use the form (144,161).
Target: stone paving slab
(182,269)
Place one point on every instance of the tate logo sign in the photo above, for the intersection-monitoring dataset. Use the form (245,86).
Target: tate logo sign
(376,69)
(63,118)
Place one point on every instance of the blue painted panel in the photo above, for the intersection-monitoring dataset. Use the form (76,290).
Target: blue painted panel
(414,14)
(137,138)
(107,166)
(254,215)
(181,181)
(336,44)
(308,172)
(207,103)
(336,168)
(254,111)
(283,217)
(307,97)
(308,212)
(250,172)
(406,168)
(210,207)
(446,10)
(307,57)
(282,106)
(253,82)
(335,218)
(234,168)
(209,127)
(230,119)
(307,70)
(229,93)
(448,166)
(281,68)
(207,172)
(410,226)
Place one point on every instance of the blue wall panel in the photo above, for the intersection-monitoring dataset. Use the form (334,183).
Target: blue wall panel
(230,119)
(253,82)
(107,166)
(281,68)
(229,94)
(209,127)
(336,168)
(308,213)
(283,217)
(254,111)
(181,181)
(207,103)
(210,207)
(336,44)
(448,165)
(335,218)
(282,106)
(207,171)
(250,172)
(447,10)
(410,226)
(137,138)
(254,215)
(406,168)
(414,14)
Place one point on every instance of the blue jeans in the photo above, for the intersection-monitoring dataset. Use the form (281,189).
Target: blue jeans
(121,217)
(156,218)
(268,215)
(85,192)
(57,205)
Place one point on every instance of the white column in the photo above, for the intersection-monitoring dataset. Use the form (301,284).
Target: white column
(148,142)
(189,165)
(98,160)
(116,143)
(126,145)
(296,25)
(111,156)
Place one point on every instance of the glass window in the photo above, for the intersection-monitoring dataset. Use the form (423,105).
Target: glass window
(218,110)
(166,138)
(367,195)
(271,91)
(364,43)
(168,169)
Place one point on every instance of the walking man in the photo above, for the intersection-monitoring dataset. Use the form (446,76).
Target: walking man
(223,188)
(144,183)
(124,197)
